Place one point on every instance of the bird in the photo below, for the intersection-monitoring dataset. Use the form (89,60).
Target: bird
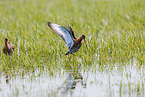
(68,37)
(8,48)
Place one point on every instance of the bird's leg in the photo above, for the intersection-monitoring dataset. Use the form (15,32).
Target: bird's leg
(73,59)
(69,65)
(75,63)
(11,60)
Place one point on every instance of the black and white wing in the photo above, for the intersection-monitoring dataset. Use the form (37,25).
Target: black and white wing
(63,33)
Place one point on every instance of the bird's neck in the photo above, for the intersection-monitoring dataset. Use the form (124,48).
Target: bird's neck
(79,40)
(6,44)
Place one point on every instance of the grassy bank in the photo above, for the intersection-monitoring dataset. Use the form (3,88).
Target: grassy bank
(115,33)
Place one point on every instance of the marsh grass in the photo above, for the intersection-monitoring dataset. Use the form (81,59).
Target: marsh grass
(115,33)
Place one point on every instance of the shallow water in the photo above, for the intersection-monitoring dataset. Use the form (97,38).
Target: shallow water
(125,81)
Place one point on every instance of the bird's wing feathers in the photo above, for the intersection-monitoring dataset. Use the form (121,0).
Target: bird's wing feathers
(71,32)
(11,45)
(63,33)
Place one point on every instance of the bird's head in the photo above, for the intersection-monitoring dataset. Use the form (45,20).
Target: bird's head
(83,36)
(6,39)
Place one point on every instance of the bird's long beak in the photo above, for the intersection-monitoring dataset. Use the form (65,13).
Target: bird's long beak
(86,43)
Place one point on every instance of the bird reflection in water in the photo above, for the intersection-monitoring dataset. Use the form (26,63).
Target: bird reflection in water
(71,82)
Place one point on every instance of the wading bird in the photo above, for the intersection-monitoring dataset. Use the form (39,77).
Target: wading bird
(8,47)
(68,37)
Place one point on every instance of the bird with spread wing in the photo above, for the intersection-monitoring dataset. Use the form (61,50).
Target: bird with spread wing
(68,37)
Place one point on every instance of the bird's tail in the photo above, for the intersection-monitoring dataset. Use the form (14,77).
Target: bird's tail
(69,52)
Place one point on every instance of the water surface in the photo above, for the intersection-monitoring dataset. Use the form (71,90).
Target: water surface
(124,81)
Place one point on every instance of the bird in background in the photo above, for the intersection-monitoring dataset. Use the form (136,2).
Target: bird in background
(68,37)
(8,48)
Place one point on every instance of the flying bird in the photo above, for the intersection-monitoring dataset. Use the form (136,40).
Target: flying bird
(68,37)
(8,48)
